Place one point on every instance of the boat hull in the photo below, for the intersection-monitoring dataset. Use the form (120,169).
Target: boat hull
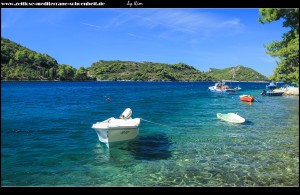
(273,93)
(116,135)
(225,91)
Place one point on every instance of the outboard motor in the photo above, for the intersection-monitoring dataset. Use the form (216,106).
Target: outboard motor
(126,114)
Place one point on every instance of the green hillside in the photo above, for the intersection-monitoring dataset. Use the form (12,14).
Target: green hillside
(144,71)
(237,73)
(21,63)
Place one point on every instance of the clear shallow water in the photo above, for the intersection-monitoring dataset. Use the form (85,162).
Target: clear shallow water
(47,139)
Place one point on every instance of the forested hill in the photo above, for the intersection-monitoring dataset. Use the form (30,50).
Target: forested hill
(21,63)
(144,71)
(237,73)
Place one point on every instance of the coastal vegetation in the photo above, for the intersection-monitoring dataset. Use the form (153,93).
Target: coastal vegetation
(145,71)
(287,50)
(237,73)
(21,63)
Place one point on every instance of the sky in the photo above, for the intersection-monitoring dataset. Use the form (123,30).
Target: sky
(202,38)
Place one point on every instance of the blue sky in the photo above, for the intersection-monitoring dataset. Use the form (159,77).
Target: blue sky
(203,38)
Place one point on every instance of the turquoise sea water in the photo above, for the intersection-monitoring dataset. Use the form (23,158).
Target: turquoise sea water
(47,139)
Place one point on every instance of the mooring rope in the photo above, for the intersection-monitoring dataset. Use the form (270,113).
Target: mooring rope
(159,124)
(256,100)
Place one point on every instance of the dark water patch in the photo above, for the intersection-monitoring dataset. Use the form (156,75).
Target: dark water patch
(154,147)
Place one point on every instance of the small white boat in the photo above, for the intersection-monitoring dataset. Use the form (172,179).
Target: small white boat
(220,87)
(116,130)
(231,118)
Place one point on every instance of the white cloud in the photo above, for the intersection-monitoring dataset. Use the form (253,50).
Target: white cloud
(180,20)
(133,35)
(92,25)
(233,22)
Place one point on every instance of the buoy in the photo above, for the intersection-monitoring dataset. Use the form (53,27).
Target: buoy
(108,99)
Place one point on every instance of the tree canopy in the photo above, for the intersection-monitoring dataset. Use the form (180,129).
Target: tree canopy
(287,50)
(21,63)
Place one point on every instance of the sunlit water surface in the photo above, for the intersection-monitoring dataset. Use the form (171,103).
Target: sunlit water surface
(47,139)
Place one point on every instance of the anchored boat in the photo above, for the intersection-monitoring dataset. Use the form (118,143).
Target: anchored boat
(220,87)
(247,98)
(116,130)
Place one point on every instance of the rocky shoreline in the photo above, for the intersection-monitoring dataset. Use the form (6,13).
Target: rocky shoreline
(290,90)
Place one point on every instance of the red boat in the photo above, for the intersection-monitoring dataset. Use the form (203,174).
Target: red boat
(247,98)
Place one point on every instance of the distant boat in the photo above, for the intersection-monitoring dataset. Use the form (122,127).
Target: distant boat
(247,98)
(272,93)
(231,118)
(237,88)
(220,87)
(271,86)
(116,130)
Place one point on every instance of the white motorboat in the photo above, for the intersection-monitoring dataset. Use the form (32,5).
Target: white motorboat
(116,130)
(220,87)
(231,117)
